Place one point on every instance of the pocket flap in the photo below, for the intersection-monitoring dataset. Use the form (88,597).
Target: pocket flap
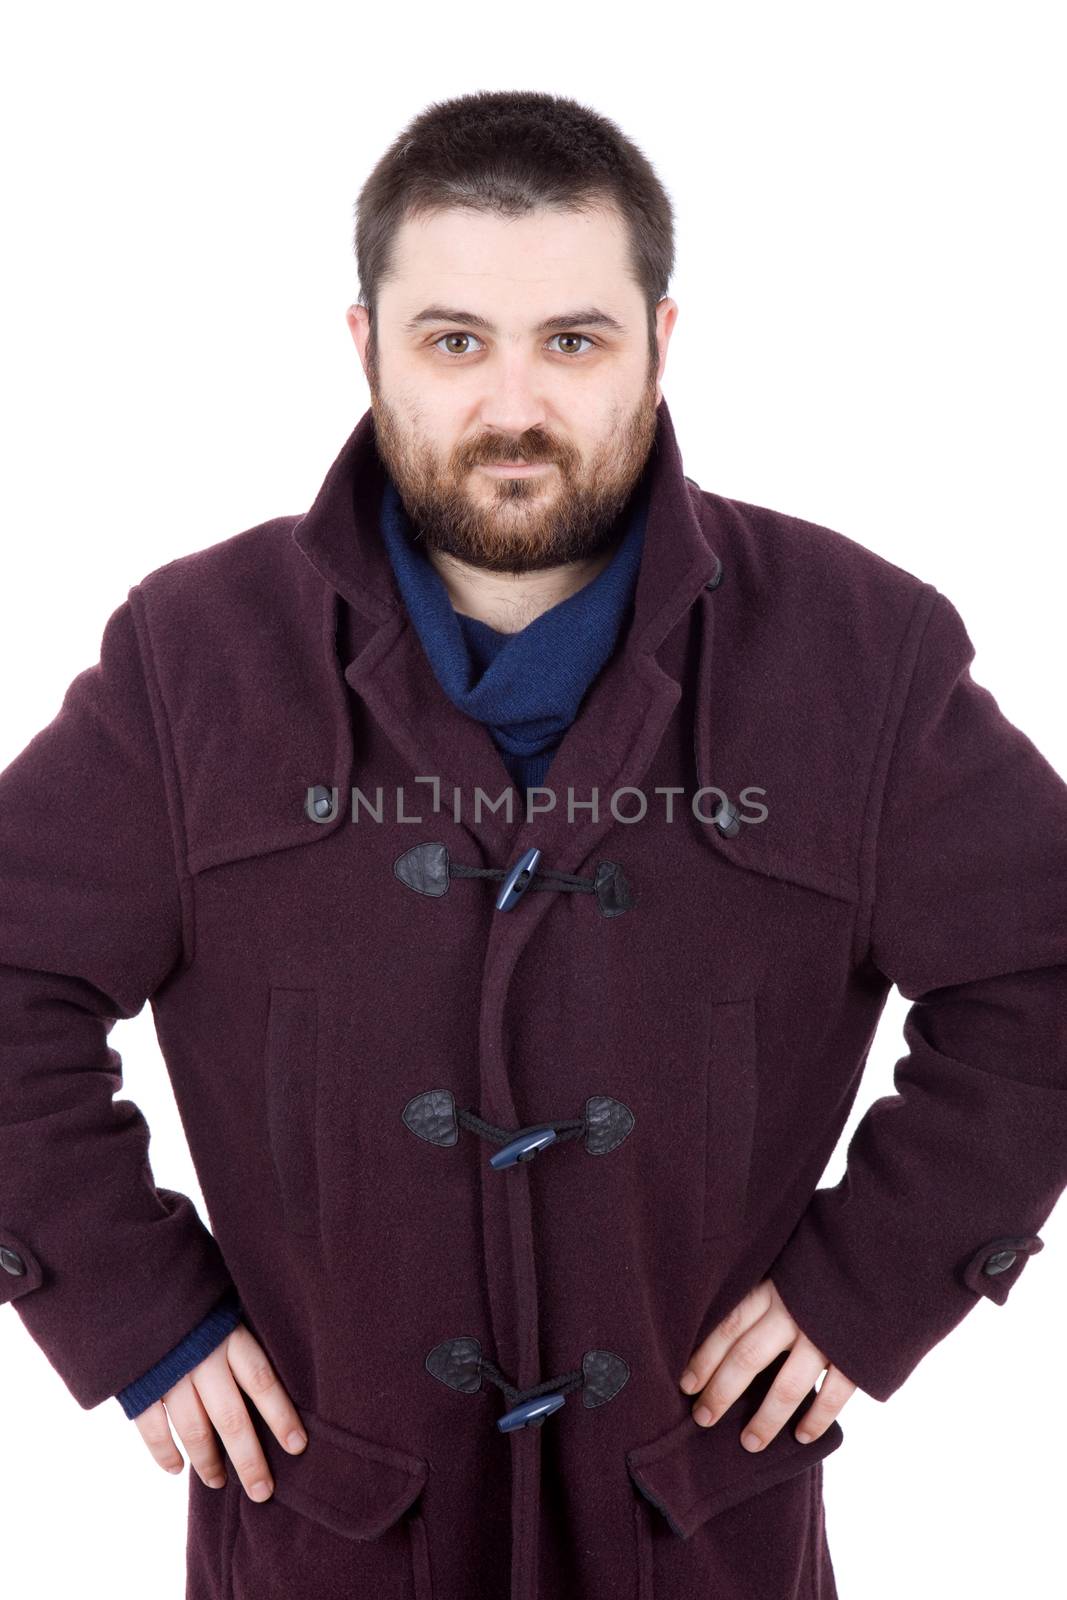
(692,1473)
(352,1485)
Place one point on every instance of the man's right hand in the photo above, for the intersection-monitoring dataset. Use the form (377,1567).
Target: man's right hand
(207,1405)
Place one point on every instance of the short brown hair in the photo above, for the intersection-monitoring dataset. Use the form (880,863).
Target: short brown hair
(510,152)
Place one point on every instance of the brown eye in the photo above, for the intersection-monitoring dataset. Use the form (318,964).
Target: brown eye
(573,336)
(456,338)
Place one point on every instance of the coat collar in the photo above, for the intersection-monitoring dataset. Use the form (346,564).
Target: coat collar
(340,536)
(621,722)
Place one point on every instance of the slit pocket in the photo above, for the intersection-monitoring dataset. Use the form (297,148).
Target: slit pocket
(292,1096)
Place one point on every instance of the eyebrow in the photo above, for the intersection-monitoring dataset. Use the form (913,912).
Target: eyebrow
(590,317)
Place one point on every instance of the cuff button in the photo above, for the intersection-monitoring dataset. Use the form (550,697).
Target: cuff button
(995,1265)
(11,1261)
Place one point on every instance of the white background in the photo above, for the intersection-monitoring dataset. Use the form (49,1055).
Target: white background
(870,277)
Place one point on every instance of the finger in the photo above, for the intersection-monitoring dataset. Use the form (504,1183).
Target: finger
(755,1349)
(193,1426)
(834,1391)
(253,1371)
(225,1406)
(791,1383)
(723,1336)
(154,1429)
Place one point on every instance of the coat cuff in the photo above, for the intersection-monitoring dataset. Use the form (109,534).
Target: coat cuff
(876,1326)
(99,1334)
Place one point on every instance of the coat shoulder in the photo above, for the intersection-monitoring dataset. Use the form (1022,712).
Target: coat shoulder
(809,600)
(246,571)
(816,637)
(806,565)
(239,641)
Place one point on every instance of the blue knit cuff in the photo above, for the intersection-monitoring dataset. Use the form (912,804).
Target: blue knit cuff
(193,1349)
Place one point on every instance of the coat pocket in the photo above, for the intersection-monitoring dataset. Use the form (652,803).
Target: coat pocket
(730,1111)
(293,1094)
(344,1519)
(689,1076)
(691,1474)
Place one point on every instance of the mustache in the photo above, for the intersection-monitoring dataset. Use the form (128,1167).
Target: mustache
(513,457)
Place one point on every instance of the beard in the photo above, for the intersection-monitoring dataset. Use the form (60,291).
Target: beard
(570,512)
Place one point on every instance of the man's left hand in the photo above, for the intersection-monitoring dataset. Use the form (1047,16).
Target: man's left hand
(748,1339)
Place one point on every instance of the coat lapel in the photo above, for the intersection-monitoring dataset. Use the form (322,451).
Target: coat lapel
(621,721)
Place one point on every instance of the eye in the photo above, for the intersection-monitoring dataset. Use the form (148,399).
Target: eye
(571,356)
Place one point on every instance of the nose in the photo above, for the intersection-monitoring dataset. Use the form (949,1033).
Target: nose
(512,411)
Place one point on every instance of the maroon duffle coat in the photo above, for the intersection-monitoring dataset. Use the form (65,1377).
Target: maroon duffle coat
(684,995)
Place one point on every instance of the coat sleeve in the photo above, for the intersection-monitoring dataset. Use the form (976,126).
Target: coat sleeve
(107,1271)
(948,1180)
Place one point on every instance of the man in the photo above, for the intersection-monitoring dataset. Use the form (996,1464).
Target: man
(509,1120)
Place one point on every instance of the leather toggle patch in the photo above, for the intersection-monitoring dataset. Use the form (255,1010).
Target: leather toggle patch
(424,868)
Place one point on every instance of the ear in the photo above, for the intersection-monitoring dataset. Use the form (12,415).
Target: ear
(666,317)
(359,327)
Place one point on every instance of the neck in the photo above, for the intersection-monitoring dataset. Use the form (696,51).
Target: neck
(507,601)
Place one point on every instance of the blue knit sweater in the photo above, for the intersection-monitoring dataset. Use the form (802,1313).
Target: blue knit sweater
(526,687)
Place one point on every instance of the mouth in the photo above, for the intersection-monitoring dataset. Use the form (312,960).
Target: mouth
(515,469)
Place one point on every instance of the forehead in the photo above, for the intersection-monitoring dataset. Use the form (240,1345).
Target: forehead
(459,256)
